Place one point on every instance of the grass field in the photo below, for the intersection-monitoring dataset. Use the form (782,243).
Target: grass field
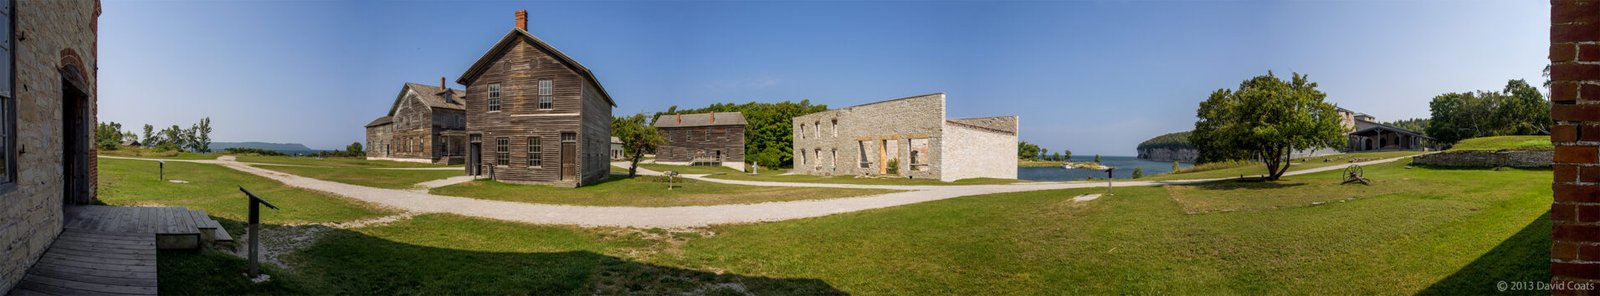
(147,153)
(1446,232)
(1506,143)
(382,178)
(683,169)
(1257,169)
(215,189)
(336,162)
(776,176)
(645,191)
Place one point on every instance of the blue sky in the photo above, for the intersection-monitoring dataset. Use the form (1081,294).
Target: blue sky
(1096,77)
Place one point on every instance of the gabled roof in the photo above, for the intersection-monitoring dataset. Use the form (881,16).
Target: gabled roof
(381,121)
(700,119)
(1363,126)
(430,96)
(518,34)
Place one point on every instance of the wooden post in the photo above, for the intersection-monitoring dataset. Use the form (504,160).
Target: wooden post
(1108,180)
(254,227)
(163,169)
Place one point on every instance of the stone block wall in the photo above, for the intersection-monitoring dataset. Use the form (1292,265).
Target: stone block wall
(59,34)
(1575,107)
(978,152)
(1488,159)
(828,143)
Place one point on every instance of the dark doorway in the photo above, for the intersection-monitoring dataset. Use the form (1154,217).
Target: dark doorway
(475,155)
(569,156)
(74,144)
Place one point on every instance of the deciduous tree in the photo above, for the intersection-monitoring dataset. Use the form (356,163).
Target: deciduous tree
(638,137)
(1265,119)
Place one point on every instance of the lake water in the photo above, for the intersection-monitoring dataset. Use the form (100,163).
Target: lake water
(1124,169)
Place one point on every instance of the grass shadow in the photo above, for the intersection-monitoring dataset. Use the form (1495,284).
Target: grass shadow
(349,262)
(1523,257)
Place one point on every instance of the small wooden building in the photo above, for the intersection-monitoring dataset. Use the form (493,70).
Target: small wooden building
(535,115)
(424,124)
(715,138)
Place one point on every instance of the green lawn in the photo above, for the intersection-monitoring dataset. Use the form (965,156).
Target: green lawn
(1506,143)
(147,153)
(1249,169)
(1449,232)
(777,176)
(382,178)
(336,162)
(215,189)
(684,169)
(645,191)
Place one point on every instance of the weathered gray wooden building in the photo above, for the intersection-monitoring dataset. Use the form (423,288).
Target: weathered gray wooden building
(715,138)
(47,160)
(535,115)
(905,137)
(425,124)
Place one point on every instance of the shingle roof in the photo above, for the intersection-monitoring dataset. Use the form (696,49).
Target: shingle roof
(483,63)
(616,140)
(381,121)
(700,119)
(430,97)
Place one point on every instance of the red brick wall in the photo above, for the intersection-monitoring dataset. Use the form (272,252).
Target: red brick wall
(1575,98)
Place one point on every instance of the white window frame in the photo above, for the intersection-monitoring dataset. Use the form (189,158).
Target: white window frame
(494,97)
(546,94)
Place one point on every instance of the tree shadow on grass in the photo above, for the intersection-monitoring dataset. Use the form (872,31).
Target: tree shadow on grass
(1523,257)
(348,262)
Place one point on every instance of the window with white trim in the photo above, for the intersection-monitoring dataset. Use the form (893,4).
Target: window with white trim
(502,151)
(494,97)
(547,94)
(535,152)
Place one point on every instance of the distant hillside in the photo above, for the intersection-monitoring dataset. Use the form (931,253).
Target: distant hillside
(288,148)
(1168,147)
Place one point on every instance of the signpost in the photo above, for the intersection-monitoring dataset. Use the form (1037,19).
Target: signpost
(255,230)
(163,166)
(670,174)
(1108,179)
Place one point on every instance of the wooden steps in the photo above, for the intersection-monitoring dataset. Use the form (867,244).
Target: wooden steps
(210,230)
(174,228)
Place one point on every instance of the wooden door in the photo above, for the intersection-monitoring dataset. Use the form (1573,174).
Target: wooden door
(75,139)
(569,156)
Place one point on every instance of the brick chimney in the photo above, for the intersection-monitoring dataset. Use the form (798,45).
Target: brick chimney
(713,117)
(441,84)
(680,119)
(522,19)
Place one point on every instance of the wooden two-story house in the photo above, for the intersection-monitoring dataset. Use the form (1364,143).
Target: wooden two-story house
(534,115)
(425,124)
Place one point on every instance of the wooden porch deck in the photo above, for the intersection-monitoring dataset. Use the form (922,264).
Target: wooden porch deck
(105,250)
(87,262)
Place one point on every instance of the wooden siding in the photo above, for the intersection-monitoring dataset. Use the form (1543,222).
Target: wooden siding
(518,70)
(684,142)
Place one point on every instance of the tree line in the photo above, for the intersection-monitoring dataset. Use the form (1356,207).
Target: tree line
(1030,151)
(196,138)
(1516,109)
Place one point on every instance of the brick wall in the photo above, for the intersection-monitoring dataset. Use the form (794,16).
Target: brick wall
(1575,98)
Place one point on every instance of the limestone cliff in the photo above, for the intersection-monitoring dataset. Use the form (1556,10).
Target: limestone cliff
(1168,147)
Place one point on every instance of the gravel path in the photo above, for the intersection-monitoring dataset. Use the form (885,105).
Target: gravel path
(670,217)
